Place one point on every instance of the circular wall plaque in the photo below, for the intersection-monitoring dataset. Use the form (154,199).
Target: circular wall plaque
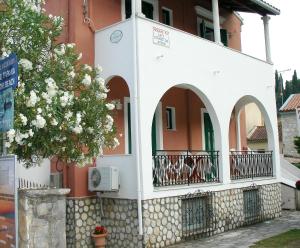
(116,36)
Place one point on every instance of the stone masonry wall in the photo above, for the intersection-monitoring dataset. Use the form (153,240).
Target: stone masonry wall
(83,214)
(42,216)
(289,131)
(162,218)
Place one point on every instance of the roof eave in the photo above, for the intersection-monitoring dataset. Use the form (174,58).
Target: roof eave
(268,7)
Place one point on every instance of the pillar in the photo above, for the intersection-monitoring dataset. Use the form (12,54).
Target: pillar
(216,20)
(267,38)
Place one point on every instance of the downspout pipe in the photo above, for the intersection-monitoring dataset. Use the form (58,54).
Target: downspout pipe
(136,92)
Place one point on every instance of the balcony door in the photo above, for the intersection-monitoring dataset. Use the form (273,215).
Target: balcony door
(206,31)
(208,133)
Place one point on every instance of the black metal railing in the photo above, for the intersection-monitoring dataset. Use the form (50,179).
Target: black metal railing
(198,216)
(174,167)
(250,164)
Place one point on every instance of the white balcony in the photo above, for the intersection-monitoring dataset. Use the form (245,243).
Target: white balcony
(222,77)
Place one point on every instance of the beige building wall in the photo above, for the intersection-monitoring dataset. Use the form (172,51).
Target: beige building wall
(253,117)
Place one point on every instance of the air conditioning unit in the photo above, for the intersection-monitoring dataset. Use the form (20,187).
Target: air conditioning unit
(103,179)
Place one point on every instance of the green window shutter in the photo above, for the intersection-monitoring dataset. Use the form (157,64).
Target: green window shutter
(202,29)
(153,135)
(129,129)
(224,37)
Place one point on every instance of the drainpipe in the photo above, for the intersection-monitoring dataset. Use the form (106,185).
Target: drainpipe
(267,37)
(215,7)
(136,10)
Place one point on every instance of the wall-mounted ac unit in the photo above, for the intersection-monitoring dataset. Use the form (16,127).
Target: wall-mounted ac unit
(103,179)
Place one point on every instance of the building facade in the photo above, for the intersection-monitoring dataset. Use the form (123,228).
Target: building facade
(177,76)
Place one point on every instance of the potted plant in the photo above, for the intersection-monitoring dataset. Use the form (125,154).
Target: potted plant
(99,236)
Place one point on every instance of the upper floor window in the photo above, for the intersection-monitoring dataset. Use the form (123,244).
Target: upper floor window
(206,31)
(167,16)
(171,119)
(147,9)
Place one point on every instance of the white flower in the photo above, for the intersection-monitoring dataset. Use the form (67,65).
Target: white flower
(100,81)
(26,64)
(39,110)
(39,122)
(60,51)
(66,99)
(30,133)
(70,45)
(110,106)
(87,67)
(101,96)
(79,56)
(116,143)
(78,118)
(72,74)
(90,130)
(68,115)
(77,129)
(87,80)
(33,99)
(51,87)
(98,69)
(11,135)
(23,119)
(54,122)
(47,97)
(7,144)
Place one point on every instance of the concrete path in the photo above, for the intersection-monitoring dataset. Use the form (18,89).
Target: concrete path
(246,236)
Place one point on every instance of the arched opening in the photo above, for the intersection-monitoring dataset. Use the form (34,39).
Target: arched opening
(119,94)
(249,140)
(185,138)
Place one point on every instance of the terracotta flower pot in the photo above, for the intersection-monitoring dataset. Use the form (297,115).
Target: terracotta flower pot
(99,240)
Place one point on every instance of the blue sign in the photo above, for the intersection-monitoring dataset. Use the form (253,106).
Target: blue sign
(9,72)
(6,109)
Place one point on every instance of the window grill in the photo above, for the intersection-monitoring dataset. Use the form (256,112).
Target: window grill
(252,205)
(197,215)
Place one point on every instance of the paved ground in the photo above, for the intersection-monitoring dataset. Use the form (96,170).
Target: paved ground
(246,236)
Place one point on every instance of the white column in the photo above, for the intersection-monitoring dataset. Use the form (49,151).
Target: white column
(215,7)
(267,38)
(136,6)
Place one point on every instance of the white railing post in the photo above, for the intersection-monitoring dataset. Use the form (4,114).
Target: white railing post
(215,7)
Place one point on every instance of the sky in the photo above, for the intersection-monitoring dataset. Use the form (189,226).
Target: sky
(284,36)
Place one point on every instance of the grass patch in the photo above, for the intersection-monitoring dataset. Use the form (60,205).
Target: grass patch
(290,239)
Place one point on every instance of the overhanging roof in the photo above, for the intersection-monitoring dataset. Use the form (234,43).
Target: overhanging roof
(251,6)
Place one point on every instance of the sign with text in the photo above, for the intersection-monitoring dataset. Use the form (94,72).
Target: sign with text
(161,37)
(6,110)
(9,72)
(8,202)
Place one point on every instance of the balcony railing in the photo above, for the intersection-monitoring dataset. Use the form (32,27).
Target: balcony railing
(174,167)
(250,164)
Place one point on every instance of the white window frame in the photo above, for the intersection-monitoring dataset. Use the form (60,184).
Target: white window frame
(173,116)
(207,23)
(171,14)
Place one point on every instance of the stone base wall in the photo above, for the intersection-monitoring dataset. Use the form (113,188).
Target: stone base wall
(83,214)
(162,218)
